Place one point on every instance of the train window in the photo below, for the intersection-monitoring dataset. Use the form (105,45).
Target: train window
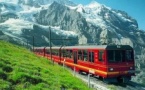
(101,53)
(91,56)
(123,55)
(116,56)
(55,52)
(47,51)
(111,55)
(64,53)
(85,55)
(129,55)
(39,51)
(67,53)
(80,55)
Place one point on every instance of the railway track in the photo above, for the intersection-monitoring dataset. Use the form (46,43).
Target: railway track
(98,84)
(135,86)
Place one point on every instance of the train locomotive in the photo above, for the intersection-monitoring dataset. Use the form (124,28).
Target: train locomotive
(112,63)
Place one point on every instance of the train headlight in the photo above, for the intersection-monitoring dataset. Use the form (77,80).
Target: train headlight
(111,69)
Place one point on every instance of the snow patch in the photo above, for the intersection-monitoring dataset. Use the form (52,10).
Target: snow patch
(80,8)
(9,8)
(45,38)
(11,35)
(28,12)
(58,31)
(126,41)
(10,1)
(119,36)
(92,16)
(94,4)
(119,15)
(16,25)
(72,7)
(91,13)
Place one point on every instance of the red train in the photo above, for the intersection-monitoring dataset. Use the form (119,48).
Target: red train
(112,63)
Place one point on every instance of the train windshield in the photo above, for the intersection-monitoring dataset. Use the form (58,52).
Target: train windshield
(120,55)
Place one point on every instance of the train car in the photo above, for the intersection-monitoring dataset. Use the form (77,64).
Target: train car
(112,63)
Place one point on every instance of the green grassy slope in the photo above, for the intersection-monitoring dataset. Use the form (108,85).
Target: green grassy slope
(22,70)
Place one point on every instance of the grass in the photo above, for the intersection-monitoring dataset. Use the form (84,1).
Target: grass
(20,69)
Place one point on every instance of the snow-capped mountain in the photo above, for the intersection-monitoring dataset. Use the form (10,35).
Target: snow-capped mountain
(21,20)
(16,16)
(93,18)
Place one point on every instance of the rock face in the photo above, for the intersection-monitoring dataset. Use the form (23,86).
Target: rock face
(93,23)
(67,19)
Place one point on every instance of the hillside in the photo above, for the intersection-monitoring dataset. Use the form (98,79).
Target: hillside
(20,69)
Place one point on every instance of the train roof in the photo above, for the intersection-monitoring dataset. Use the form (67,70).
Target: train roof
(108,47)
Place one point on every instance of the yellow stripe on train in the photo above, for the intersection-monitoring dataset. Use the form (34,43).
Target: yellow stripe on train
(93,70)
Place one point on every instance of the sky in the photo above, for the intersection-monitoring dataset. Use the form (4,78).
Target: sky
(134,8)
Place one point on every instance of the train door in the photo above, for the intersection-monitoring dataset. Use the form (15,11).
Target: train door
(91,60)
(75,57)
(91,56)
(101,57)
